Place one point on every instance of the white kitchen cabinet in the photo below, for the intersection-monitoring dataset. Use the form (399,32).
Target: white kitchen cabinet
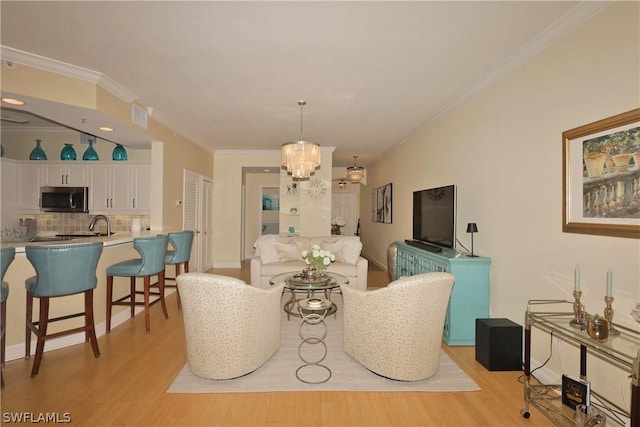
(30,176)
(140,187)
(66,174)
(120,188)
(8,192)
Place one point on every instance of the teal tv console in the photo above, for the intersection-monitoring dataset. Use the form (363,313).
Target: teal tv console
(470,295)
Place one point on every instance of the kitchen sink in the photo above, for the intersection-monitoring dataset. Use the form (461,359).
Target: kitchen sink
(80,235)
(50,239)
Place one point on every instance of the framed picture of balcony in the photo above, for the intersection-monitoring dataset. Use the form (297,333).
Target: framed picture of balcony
(601,177)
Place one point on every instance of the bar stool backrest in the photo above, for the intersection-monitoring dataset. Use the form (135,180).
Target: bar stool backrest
(181,243)
(6,257)
(64,269)
(153,251)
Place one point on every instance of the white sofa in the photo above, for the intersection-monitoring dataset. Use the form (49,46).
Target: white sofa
(275,254)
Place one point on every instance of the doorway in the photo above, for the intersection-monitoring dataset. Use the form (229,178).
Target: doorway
(197,211)
(343,204)
(270,218)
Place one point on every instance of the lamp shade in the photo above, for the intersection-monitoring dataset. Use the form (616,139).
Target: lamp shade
(300,158)
(355,173)
(472,227)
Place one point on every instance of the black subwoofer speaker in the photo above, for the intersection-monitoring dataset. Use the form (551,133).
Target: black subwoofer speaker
(499,344)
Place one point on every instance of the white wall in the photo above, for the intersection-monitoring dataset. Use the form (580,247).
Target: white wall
(503,149)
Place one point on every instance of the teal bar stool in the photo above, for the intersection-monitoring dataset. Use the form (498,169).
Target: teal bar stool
(153,251)
(61,270)
(179,256)
(6,257)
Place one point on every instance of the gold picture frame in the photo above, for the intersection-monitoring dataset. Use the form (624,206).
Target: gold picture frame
(601,177)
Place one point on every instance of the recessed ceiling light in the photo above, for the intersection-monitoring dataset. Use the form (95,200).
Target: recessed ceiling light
(12,101)
(106,128)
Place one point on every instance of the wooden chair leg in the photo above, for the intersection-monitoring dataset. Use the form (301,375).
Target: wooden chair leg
(161,292)
(147,319)
(3,319)
(29,319)
(177,290)
(42,332)
(109,301)
(132,289)
(90,323)
(3,316)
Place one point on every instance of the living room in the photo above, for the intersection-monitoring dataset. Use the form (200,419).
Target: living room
(502,147)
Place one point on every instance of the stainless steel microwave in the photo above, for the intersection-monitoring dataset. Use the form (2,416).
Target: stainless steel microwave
(64,199)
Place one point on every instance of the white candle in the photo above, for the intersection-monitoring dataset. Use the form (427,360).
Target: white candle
(577,278)
(609,284)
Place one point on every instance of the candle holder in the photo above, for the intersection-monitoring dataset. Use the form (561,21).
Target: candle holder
(579,319)
(608,314)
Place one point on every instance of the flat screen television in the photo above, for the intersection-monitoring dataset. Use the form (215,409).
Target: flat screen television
(434,216)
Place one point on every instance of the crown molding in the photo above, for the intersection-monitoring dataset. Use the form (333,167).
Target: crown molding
(32,60)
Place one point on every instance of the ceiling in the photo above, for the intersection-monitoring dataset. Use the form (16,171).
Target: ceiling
(229,75)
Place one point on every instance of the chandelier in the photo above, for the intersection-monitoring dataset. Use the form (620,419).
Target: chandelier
(355,173)
(300,158)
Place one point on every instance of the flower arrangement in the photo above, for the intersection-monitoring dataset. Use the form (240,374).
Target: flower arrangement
(338,222)
(318,258)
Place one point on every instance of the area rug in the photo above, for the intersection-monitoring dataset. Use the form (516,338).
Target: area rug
(279,372)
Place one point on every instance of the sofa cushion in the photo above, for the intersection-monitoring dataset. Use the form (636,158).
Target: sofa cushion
(288,251)
(335,247)
(347,270)
(351,246)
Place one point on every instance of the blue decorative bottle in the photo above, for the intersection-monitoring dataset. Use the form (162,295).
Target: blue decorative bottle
(90,153)
(68,153)
(119,153)
(38,153)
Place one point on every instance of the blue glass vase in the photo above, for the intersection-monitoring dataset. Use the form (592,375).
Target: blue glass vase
(38,153)
(68,153)
(119,153)
(90,153)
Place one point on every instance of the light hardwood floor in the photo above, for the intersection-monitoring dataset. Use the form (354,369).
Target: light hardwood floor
(127,386)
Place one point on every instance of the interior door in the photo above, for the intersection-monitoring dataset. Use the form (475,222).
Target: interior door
(343,204)
(191,217)
(207,223)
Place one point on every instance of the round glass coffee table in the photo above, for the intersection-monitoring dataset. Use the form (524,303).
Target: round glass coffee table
(295,283)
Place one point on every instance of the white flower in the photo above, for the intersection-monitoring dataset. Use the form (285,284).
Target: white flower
(326,261)
(304,253)
(338,221)
(317,257)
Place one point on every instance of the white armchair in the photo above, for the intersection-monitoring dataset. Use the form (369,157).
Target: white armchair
(396,331)
(231,328)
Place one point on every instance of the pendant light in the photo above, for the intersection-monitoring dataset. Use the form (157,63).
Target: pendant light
(355,173)
(301,158)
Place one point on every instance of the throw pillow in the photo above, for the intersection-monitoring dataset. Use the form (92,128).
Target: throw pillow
(288,252)
(335,247)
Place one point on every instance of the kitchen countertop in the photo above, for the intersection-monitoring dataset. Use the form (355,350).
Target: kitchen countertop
(117,238)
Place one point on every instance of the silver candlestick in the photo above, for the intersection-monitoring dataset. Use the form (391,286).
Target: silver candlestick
(608,314)
(578,308)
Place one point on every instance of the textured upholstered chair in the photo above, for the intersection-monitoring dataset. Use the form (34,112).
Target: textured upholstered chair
(61,270)
(153,251)
(231,328)
(396,331)
(179,256)
(6,256)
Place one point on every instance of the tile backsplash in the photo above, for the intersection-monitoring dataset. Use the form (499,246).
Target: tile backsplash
(68,223)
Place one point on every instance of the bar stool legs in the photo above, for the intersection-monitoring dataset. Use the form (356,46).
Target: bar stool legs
(40,327)
(130,299)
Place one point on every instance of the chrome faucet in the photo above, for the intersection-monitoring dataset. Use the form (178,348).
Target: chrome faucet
(98,217)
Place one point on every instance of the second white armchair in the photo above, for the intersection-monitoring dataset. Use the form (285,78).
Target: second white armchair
(396,331)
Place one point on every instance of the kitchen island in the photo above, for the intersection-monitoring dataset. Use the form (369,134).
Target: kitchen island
(117,247)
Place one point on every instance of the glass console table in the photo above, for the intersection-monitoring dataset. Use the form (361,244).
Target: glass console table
(622,351)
